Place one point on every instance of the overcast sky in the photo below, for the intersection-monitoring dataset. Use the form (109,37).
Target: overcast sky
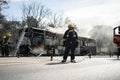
(85,13)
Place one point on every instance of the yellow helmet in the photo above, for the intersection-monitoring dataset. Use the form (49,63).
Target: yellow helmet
(8,35)
(70,26)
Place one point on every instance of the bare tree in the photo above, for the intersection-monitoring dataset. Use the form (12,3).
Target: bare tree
(35,11)
(3,4)
(58,20)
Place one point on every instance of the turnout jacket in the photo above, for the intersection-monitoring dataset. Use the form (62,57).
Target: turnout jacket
(70,38)
(4,42)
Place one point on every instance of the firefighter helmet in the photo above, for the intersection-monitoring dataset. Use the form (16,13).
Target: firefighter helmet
(8,35)
(70,26)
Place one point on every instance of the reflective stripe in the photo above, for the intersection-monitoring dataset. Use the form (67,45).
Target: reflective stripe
(67,36)
(4,43)
(69,32)
(75,35)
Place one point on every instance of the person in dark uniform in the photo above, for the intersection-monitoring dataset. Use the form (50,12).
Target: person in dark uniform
(4,45)
(70,41)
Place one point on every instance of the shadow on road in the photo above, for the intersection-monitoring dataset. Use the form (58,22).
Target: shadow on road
(56,63)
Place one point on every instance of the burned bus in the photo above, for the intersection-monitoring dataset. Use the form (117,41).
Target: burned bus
(42,42)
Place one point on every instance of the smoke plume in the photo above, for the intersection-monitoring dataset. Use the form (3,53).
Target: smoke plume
(104,37)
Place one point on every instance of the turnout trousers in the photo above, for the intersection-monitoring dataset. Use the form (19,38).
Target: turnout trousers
(67,50)
(5,51)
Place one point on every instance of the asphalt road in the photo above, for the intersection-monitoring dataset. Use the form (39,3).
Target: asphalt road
(97,68)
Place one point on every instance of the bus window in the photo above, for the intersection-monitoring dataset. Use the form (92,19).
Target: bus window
(37,40)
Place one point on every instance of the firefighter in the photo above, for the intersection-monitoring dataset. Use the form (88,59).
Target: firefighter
(70,41)
(4,45)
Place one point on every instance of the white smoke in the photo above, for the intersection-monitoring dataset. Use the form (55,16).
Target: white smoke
(104,36)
